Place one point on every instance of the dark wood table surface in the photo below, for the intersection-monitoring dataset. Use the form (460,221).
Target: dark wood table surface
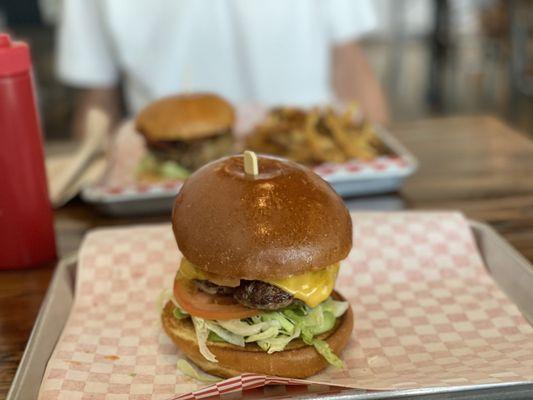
(476,165)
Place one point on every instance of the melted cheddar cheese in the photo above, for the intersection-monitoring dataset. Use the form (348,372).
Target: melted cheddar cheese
(189,271)
(311,287)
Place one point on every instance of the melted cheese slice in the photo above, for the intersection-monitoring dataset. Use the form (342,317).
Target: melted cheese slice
(189,271)
(312,287)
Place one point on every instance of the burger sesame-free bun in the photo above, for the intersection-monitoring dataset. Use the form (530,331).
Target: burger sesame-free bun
(185,117)
(285,221)
(298,360)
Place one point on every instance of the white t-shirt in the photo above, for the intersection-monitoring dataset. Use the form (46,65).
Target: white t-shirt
(272,52)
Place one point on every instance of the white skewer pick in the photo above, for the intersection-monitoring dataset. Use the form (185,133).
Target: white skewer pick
(250,163)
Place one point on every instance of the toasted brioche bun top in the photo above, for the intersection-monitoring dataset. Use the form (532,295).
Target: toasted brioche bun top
(185,117)
(284,221)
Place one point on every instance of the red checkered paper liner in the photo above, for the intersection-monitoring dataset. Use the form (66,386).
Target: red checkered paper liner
(427,313)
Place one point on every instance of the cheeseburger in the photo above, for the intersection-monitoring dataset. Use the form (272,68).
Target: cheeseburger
(255,288)
(182,133)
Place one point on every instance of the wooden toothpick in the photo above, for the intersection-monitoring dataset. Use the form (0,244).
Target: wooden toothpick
(250,163)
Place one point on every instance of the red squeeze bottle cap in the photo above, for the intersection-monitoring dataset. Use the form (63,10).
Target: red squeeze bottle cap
(14,56)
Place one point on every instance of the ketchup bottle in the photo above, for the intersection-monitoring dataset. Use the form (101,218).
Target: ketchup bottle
(26,222)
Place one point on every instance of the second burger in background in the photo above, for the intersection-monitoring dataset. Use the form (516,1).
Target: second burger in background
(182,133)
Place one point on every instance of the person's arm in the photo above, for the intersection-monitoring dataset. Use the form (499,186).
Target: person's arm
(105,99)
(354,80)
(86,59)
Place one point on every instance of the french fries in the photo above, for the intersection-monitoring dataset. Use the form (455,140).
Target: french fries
(315,136)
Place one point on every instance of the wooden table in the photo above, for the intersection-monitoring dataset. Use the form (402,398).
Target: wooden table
(473,164)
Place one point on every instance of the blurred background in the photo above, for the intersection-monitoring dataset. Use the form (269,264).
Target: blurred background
(433,57)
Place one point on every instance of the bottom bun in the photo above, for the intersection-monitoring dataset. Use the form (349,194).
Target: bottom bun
(298,360)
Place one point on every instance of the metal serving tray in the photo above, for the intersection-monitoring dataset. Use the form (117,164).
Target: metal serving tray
(511,271)
(355,178)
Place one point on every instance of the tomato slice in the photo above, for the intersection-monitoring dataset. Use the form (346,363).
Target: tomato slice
(203,305)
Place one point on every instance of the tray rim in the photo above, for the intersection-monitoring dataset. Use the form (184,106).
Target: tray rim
(30,350)
(29,353)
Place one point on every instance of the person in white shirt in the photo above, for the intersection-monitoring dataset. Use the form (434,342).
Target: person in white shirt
(276,52)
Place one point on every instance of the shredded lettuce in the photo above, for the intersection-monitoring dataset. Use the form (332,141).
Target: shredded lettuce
(224,334)
(179,313)
(325,351)
(337,308)
(277,343)
(148,163)
(279,318)
(213,337)
(273,331)
(327,322)
(314,317)
(172,170)
(202,333)
(185,367)
(167,169)
(242,328)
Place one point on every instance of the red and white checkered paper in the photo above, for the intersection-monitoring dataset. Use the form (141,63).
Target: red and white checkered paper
(427,313)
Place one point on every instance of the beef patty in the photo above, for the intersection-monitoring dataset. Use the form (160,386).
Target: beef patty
(253,294)
(193,154)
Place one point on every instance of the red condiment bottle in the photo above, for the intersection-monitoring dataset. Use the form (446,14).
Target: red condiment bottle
(26,222)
